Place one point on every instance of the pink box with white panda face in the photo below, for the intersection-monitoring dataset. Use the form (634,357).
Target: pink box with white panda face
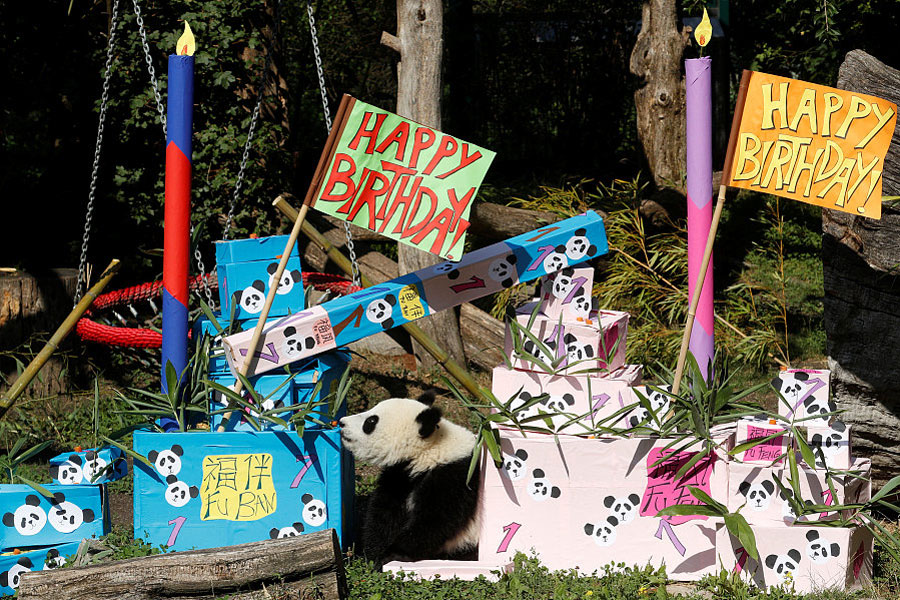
(596,398)
(768,452)
(594,345)
(805,393)
(584,503)
(834,441)
(806,558)
(566,294)
(752,487)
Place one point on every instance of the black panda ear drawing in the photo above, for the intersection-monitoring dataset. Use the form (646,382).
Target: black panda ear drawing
(816,439)
(770,560)
(306,498)
(581,232)
(75,459)
(454,274)
(310,343)
(801,376)
(236,296)
(32,500)
(839,426)
(522,454)
(151,456)
(538,473)
(612,521)
(589,528)
(9,520)
(507,282)
(609,501)
(811,535)
(51,553)
(835,550)
(289,331)
(554,492)
(272,268)
(795,554)
(427,397)
(259,285)
(561,248)
(768,486)
(273,533)
(299,527)
(387,324)
(569,398)
(58,498)
(4,578)
(297,276)
(194,491)
(511,259)
(88,515)
(26,562)
(54,471)
(569,338)
(170,479)
(177,450)
(390,299)
(428,421)
(744,487)
(90,455)
(634,499)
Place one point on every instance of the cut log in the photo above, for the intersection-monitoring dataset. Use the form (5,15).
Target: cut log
(306,566)
(496,223)
(482,335)
(862,295)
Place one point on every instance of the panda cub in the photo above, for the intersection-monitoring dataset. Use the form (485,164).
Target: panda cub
(422,507)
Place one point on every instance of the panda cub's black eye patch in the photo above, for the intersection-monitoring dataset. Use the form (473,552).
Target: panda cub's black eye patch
(369,425)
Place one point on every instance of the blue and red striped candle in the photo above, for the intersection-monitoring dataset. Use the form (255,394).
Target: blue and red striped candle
(177,226)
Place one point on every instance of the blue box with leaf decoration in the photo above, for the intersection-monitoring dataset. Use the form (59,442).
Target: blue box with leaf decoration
(13,565)
(206,490)
(30,519)
(245,269)
(89,467)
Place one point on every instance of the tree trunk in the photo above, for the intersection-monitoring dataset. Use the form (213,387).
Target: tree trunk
(419,40)
(657,60)
(862,295)
(305,566)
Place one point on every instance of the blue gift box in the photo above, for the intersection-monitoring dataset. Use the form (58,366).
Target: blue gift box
(218,489)
(35,559)
(89,467)
(245,269)
(30,519)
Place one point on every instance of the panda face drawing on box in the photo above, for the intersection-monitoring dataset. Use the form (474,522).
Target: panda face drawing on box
(314,513)
(503,270)
(94,466)
(178,493)
(380,311)
(521,400)
(581,305)
(167,462)
(294,345)
(446,267)
(820,550)
(758,495)
(529,347)
(604,533)
(287,281)
(53,560)
(559,404)
(563,283)
(624,509)
(65,516)
(12,577)
(556,260)
(27,519)
(577,351)
(70,472)
(290,531)
(579,247)
(784,565)
(251,298)
(514,466)
(787,509)
(540,488)
(820,408)
(830,442)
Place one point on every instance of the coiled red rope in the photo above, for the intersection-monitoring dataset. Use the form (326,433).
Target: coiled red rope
(132,337)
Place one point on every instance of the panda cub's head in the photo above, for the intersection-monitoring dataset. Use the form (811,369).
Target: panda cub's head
(405,430)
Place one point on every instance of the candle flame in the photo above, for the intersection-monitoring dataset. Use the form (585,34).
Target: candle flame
(185,45)
(703,33)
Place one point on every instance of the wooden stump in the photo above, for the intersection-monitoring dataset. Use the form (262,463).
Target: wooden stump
(32,304)
(304,567)
(862,295)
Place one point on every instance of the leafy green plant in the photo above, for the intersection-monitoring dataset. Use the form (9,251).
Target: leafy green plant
(15,457)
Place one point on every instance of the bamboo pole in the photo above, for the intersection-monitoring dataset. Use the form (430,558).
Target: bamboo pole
(50,347)
(440,355)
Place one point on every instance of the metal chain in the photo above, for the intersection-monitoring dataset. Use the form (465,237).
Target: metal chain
(327,112)
(92,194)
(149,60)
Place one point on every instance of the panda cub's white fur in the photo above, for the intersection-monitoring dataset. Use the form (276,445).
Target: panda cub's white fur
(422,506)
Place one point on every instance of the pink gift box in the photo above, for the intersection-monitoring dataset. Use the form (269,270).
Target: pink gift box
(467,570)
(834,441)
(576,347)
(805,558)
(596,398)
(803,393)
(566,294)
(768,452)
(585,503)
(765,504)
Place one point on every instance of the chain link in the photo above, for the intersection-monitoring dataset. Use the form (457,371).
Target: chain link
(240,178)
(148,58)
(92,194)
(354,265)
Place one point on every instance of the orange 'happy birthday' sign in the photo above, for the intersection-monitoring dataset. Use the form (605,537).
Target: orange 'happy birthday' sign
(812,143)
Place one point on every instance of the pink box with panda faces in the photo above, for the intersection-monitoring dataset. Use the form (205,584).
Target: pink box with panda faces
(768,452)
(594,345)
(596,398)
(804,394)
(805,558)
(752,487)
(834,441)
(584,503)
(566,294)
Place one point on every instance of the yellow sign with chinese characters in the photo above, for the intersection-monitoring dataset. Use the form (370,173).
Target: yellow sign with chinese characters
(237,487)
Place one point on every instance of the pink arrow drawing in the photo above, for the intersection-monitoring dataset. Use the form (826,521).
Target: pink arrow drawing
(473,283)
(272,356)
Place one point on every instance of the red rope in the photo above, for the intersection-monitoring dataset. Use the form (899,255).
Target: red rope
(129,337)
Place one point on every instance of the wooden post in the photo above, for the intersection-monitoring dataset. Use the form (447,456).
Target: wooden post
(305,566)
(419,41)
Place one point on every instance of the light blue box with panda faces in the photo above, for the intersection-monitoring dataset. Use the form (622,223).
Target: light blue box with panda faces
(245,269)
(206,489)
(288,389)
(12,566)
(89,467)
(74,512)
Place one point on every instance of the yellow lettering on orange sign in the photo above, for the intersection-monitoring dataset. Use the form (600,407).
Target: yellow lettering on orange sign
(237,487)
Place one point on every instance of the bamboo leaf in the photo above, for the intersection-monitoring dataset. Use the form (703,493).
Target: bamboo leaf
(738,527)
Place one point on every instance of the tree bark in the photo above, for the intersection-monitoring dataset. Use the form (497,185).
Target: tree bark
(420,42)
(306,566)
(657,60)
(862,295)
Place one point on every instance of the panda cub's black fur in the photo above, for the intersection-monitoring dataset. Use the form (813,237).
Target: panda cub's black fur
(422,507)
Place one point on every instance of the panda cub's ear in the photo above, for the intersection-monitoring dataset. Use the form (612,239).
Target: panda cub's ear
(427,397)
(428,421)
